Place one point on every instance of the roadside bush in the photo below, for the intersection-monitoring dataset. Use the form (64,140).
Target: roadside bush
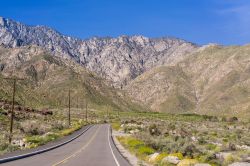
(41,140)
(134,143)
(5,147)
(116,126)
(58,125)
(144,150)
(179,155)
(34,128)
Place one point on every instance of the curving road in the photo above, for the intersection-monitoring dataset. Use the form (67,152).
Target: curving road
(93,148)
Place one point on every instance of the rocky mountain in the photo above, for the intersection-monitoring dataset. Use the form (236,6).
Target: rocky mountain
(212,80)
(118,59)
(165,74)
(48,78)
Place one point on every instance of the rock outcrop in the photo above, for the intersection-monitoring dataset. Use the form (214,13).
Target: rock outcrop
(119,59)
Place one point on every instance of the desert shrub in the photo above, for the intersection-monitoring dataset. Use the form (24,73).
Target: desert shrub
(134,143)
(41,140)
(69,131)
(223,119)
(3,146)
(116,125)
(178,154)
(144,150)
(211,147)
(225,139)
(33,128)
(190,150)
(228,160)
(172,126)
(11,148)
(127,129)
(58,125)
(184,133)
(210,118)
(233,119)
(202,141)
(232,146)
(153,130)
(161,156)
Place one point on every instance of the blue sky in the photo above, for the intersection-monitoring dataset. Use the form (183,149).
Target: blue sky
(200,21)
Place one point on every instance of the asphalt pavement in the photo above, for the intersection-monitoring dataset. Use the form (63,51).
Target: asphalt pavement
(93,148)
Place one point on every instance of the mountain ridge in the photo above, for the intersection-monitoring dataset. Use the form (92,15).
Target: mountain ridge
(118,59)
(213,80)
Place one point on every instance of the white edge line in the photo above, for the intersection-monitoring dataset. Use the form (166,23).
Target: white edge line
(8,159)
(116,161)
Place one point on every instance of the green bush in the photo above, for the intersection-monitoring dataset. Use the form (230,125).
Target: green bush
(211,147)
(144,150)
(134,143)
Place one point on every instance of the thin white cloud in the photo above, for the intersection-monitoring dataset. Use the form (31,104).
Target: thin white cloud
(237,17)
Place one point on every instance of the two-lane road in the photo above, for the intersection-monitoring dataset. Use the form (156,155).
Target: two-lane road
(93,148)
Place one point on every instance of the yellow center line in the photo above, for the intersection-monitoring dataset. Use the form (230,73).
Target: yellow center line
(80,150)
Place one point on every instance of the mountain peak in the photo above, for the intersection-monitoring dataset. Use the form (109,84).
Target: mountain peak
(2,20)
(118,59)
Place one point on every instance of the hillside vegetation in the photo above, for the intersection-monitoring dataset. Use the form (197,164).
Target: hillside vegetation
(47,80)
(213,80)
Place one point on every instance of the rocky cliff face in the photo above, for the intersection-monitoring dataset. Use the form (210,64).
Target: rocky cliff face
(47,79)
(117,59)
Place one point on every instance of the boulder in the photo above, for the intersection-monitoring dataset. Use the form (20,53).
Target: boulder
(187,162)
(223,155)
(20,143)
(133,131)
(240,164)
(202,164)
(171,159)
(153,157)
(194,139)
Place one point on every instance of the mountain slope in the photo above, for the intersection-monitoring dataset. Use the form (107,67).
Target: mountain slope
(117,59)
(213,80)
(47,80)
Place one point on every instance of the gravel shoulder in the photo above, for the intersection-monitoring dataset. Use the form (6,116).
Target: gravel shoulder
(132,159)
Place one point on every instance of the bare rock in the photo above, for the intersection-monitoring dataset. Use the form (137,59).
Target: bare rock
(153,157)
(240,164)
(171,159)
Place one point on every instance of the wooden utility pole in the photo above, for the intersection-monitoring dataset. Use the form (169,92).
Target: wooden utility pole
(69,109)
(12,107)
(77,102)
(107,112)
(86,111)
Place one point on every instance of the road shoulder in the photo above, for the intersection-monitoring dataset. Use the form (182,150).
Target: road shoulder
(132,159)
(62,141)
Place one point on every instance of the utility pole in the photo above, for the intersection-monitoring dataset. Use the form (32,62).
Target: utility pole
(69,109)
(77,102)
(12,107)
(107,112)
(86,111)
